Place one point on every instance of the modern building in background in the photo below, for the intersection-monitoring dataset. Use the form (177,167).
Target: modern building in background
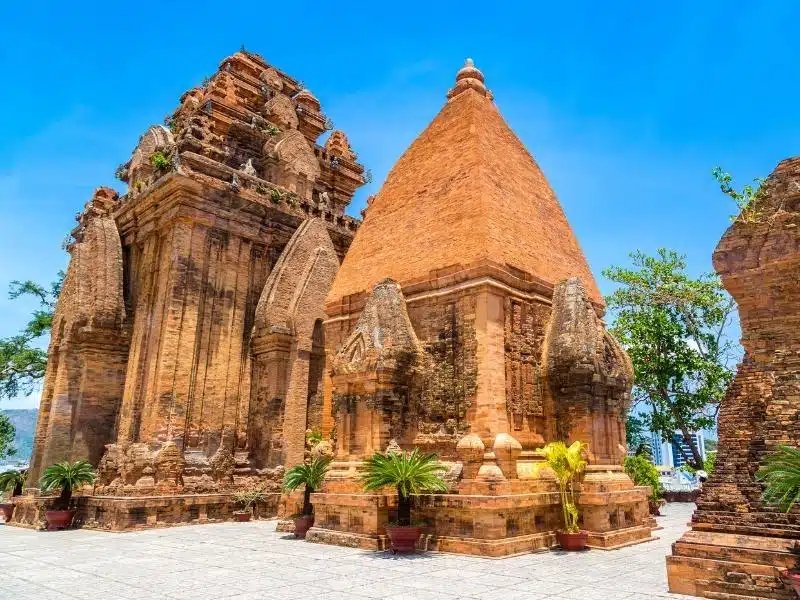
(671,453)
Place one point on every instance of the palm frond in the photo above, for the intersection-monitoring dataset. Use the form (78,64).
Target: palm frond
(11,479)
(409,472)
(67,475)
(781,473)
(309,474)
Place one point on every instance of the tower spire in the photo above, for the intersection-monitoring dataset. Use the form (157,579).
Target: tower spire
(468,77)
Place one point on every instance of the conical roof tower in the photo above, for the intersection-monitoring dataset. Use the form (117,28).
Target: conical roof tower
(466,195)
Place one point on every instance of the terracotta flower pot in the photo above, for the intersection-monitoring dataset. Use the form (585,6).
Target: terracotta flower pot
(6,510)
(403,538)
(654,506)
(572,541)
(794,579)
(58,519)
(302,524)
(242,516)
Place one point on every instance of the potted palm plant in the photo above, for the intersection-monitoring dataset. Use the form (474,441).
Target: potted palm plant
(310,475)
(409,473)
(781,474)
(566,463)
(246,500)
(11,483)
(67,477)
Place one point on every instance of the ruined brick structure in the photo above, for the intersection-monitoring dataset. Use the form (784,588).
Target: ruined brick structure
(187,349)
(465,320)
(738,546)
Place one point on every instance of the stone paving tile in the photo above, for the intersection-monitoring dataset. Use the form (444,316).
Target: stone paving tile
(250,561)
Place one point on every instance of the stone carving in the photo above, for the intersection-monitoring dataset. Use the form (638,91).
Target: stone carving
(272,78)
(280,110)
(168,465)
(248,169)
(338,145)
(222,464)
(738,546)
(139,167)
(296,156)
(286,331)
(590,373)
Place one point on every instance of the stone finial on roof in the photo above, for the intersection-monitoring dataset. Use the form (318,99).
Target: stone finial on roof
(468,77)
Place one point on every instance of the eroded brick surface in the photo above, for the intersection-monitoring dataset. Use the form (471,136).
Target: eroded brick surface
(738,544)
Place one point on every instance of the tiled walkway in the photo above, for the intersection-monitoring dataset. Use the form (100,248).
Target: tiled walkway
(246,561)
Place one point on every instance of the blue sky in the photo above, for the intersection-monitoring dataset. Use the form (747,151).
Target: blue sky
(625,107)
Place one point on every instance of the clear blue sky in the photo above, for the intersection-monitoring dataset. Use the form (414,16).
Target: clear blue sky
(625,107)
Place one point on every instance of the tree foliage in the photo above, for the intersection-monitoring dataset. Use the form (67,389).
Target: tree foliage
(643,472)
(674,327)
(7,434)
(781,474)
(11,482)
(311,475)
(67,477)
(22,362)
(408,472)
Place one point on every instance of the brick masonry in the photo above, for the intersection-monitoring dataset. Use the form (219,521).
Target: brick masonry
(738,545)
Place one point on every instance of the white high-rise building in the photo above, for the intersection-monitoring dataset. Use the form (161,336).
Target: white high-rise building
(669,453)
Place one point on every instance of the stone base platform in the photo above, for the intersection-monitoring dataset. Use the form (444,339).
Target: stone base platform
(731,566)
(127,513)
(482,525)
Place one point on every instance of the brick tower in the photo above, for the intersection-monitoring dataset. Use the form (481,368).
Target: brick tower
(737,546)
(465,320)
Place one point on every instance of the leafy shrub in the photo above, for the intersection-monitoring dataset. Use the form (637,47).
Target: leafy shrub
(160,161)
(643,472)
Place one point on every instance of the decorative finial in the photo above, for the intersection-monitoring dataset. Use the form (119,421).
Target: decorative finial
(468,77)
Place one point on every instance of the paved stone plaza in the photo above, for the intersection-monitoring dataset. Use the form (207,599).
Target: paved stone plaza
(247,561)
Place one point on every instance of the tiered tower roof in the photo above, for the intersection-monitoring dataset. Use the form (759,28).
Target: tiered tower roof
(468,193)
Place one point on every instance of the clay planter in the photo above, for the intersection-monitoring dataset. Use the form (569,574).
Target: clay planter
(58,519)
(655,506)
(302,524)
(794,579)
(572,541)
(6,510)
(242,516)
(403,539)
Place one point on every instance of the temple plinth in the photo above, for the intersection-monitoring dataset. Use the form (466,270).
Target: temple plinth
(737,546)
(464,320)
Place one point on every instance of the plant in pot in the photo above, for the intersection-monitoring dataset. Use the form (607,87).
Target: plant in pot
(310,475)
(67,477)
(11,483)
(781,474)
(246,500)
(409,473)
(566,463)
(643,472)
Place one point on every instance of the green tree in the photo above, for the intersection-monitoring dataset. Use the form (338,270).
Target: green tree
(7,433)
(674,329)
(22,362)
(636,436)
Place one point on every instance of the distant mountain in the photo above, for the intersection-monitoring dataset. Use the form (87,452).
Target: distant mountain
(24,421)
